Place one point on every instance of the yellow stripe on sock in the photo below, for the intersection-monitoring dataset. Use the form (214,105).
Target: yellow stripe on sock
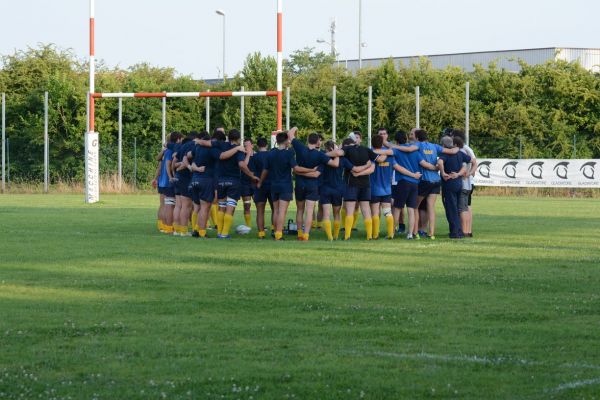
(327,228)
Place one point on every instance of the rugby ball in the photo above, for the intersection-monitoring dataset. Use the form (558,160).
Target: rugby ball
(243,229)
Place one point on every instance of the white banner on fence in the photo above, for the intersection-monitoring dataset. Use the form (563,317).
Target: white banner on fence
(92,164)
(538,173)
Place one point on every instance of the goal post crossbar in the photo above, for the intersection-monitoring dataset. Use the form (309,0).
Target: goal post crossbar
(264,93)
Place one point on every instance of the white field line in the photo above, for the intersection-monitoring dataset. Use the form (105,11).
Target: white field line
(576,384)
(473,359)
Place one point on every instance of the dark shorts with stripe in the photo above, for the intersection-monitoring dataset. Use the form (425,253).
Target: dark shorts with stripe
(182,187)
(168,191)
(262,194)
(202,190)
(229,188)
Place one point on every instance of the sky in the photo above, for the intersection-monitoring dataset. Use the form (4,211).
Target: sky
(187,34)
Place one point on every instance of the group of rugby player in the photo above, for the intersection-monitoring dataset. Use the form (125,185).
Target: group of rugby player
(201,178)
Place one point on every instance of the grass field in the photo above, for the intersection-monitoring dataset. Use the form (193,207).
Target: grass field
(95,304)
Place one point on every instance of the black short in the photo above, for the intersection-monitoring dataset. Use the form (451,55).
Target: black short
(202,190)
(167,191)
(262,195)
(306,192)
(406,194)
(246,190)
(277,195)
(423,205)
(182,188)
(353,193)
(381,199)
(471,194)
(426,188)
(329,195)
(228,189)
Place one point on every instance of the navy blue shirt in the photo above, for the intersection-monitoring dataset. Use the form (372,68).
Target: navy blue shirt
(257,164)
(182,151)
(454,163)
(245,178)
(229,168)
(334,177)
(279,164)
(309,158)
(204,157)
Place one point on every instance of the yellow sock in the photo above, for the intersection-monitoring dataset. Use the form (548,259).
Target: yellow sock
(278,235)
(336,229)
(348,226)
(314,224)
(248,219)
(389,221)
(202,232)
(306,236)
(168,228)
(175,227)
(343,213)
(227,221)
(220,217)
(214,210)
(183,229)
(355,219)
(327,228)
(194,220)
(369,228)
(376,226)
(300,233)
(261,234)
(272,227)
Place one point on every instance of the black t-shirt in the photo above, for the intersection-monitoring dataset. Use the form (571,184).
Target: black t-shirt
(358,155)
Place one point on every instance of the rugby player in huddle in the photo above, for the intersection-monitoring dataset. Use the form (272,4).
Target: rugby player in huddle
(195,170)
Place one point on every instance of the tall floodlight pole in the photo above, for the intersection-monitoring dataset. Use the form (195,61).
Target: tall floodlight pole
(92,173)
(360,42)
(222,14)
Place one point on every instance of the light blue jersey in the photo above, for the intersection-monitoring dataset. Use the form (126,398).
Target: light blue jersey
(430,153)
(381,179)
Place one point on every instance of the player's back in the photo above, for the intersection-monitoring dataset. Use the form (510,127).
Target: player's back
(228,168)
(280,166)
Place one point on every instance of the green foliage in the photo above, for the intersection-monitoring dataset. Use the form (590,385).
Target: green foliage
(542,108)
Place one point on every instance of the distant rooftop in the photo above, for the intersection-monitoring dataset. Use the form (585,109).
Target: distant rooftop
(589,58)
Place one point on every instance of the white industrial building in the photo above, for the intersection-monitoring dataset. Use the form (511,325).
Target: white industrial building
(505,59)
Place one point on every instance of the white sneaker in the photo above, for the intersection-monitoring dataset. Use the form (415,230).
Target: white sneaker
(409,236)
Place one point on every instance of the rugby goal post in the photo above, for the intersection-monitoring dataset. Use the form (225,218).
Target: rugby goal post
(92,149)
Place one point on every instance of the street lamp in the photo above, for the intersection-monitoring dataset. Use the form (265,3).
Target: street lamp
(333,49)
(222,14)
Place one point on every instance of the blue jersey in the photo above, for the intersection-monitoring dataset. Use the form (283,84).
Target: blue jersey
(381,179)
(279,164)
(334,177)
(430,153)
(204,157)
(309,158)
(182,151)
(245,178)
(163,178)
(257,165)
(410,161)
(454,163)
(229,168)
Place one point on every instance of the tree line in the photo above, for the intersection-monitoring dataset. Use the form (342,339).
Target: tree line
(544,111)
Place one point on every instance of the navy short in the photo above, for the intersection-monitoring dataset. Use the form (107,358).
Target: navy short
(381,199)
(329,195)
(406,194)
(306,192)
(182,188)
(353,193)
(229,188)
(202,190)
(167,191)
(426,188)
(262,195)
(277,195)
(246,190)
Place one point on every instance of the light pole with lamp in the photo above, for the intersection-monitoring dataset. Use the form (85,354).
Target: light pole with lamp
(222,14)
